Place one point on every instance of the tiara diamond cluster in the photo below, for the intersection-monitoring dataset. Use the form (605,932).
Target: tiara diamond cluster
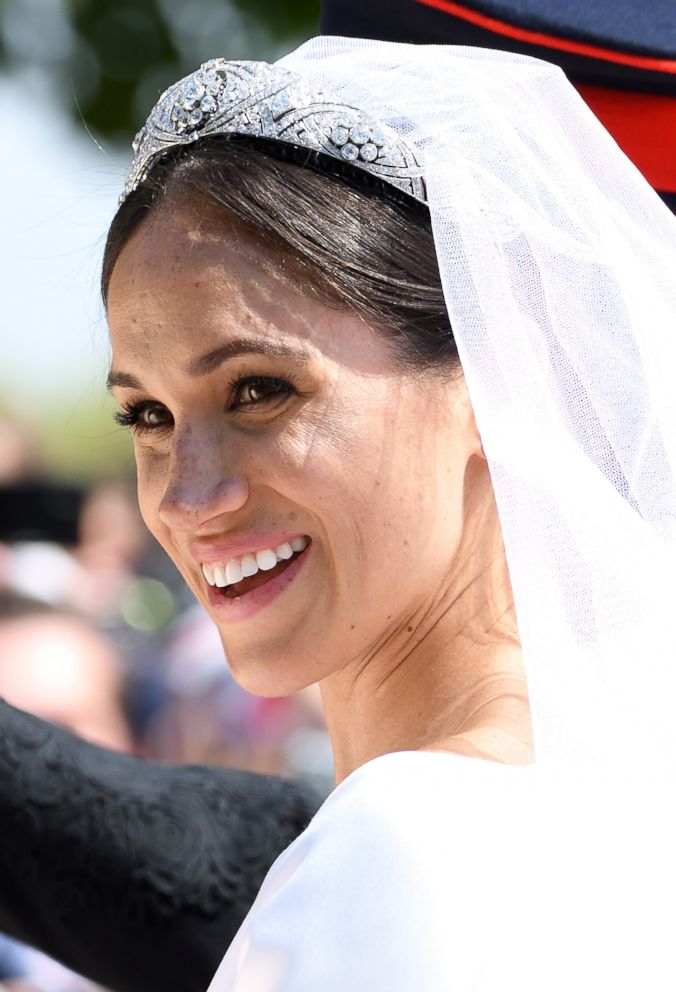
(358,142)
(255,98)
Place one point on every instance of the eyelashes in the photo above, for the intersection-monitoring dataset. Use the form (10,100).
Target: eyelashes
(247,392)
(259,389)
(131,415)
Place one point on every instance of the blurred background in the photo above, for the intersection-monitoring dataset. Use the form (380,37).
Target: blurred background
(97,631)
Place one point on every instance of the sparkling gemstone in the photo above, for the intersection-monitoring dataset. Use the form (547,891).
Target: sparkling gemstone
(280,104)
(349,152)
(136,143)
(208,78)
(195,117)
(339,135)
(233,93)
(378,136)
(211,82)
(359,134)
(208,105)
(368,152)
(180,118)
(192,95)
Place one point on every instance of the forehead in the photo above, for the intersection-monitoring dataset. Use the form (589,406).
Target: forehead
(194,248)
(192,277)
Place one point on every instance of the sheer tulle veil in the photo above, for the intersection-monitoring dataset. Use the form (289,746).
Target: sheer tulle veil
(558,263)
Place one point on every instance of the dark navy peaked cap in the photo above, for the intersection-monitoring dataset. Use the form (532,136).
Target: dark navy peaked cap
(621,55)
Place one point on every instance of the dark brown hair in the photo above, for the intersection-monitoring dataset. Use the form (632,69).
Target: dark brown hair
(359,243)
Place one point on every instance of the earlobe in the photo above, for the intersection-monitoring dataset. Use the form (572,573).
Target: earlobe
(478,447)
(473,435)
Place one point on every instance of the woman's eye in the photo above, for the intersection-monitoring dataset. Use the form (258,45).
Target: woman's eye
(252,391)
(259,390)
(143,417)
(153,416)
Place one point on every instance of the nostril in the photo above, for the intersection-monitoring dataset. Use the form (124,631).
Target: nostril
(189,504)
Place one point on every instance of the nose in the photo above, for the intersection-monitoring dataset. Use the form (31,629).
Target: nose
(199,488)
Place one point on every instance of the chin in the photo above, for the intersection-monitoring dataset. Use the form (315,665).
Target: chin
(270,664)
(272,679)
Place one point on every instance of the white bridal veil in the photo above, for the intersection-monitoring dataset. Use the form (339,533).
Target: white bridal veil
(559,268)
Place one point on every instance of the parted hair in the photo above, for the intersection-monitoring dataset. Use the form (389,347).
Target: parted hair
(360,245)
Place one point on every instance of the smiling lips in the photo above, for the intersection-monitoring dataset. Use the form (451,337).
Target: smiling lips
(238,576)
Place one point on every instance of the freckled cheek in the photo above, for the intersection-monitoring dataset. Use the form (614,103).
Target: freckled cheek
(332,472)
(151,486)
(403,508)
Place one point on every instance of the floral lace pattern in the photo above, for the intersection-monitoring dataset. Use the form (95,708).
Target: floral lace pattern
(133,873)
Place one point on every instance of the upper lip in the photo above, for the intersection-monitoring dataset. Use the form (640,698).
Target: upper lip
(213,551)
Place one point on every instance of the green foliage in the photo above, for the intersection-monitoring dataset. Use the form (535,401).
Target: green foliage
(109,59)
(283,20)
(75,436)
(122,43)
(80,441)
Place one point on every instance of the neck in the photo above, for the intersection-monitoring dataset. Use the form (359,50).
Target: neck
(454,683)
(431,708)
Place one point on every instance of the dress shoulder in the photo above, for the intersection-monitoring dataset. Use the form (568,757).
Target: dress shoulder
(435,873)
(377,892)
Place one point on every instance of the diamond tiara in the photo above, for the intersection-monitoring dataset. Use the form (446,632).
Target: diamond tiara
(262,100)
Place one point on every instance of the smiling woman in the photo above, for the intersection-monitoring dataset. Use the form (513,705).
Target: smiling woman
(267,413)
(378,312)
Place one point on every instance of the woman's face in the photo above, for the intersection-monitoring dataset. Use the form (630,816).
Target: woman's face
(266,425)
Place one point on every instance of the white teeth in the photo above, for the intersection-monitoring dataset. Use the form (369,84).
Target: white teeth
(236,569)
(233,571)
(249,566)
(266,559)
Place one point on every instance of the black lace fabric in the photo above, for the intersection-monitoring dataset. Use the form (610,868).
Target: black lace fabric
(132,873)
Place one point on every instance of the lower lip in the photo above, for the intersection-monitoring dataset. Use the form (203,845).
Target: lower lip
(242,607)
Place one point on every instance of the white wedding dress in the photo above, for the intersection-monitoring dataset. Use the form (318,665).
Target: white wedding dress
(428,872)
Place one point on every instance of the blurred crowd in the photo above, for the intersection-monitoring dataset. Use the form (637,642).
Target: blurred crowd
(99,634)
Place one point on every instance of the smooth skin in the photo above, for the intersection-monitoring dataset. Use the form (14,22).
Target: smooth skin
(302,419)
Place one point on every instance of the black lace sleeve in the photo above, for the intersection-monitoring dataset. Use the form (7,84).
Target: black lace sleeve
(132,873)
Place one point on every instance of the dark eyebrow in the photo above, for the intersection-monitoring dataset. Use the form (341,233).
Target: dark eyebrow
(212,359)
(244,346)
(122,379)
